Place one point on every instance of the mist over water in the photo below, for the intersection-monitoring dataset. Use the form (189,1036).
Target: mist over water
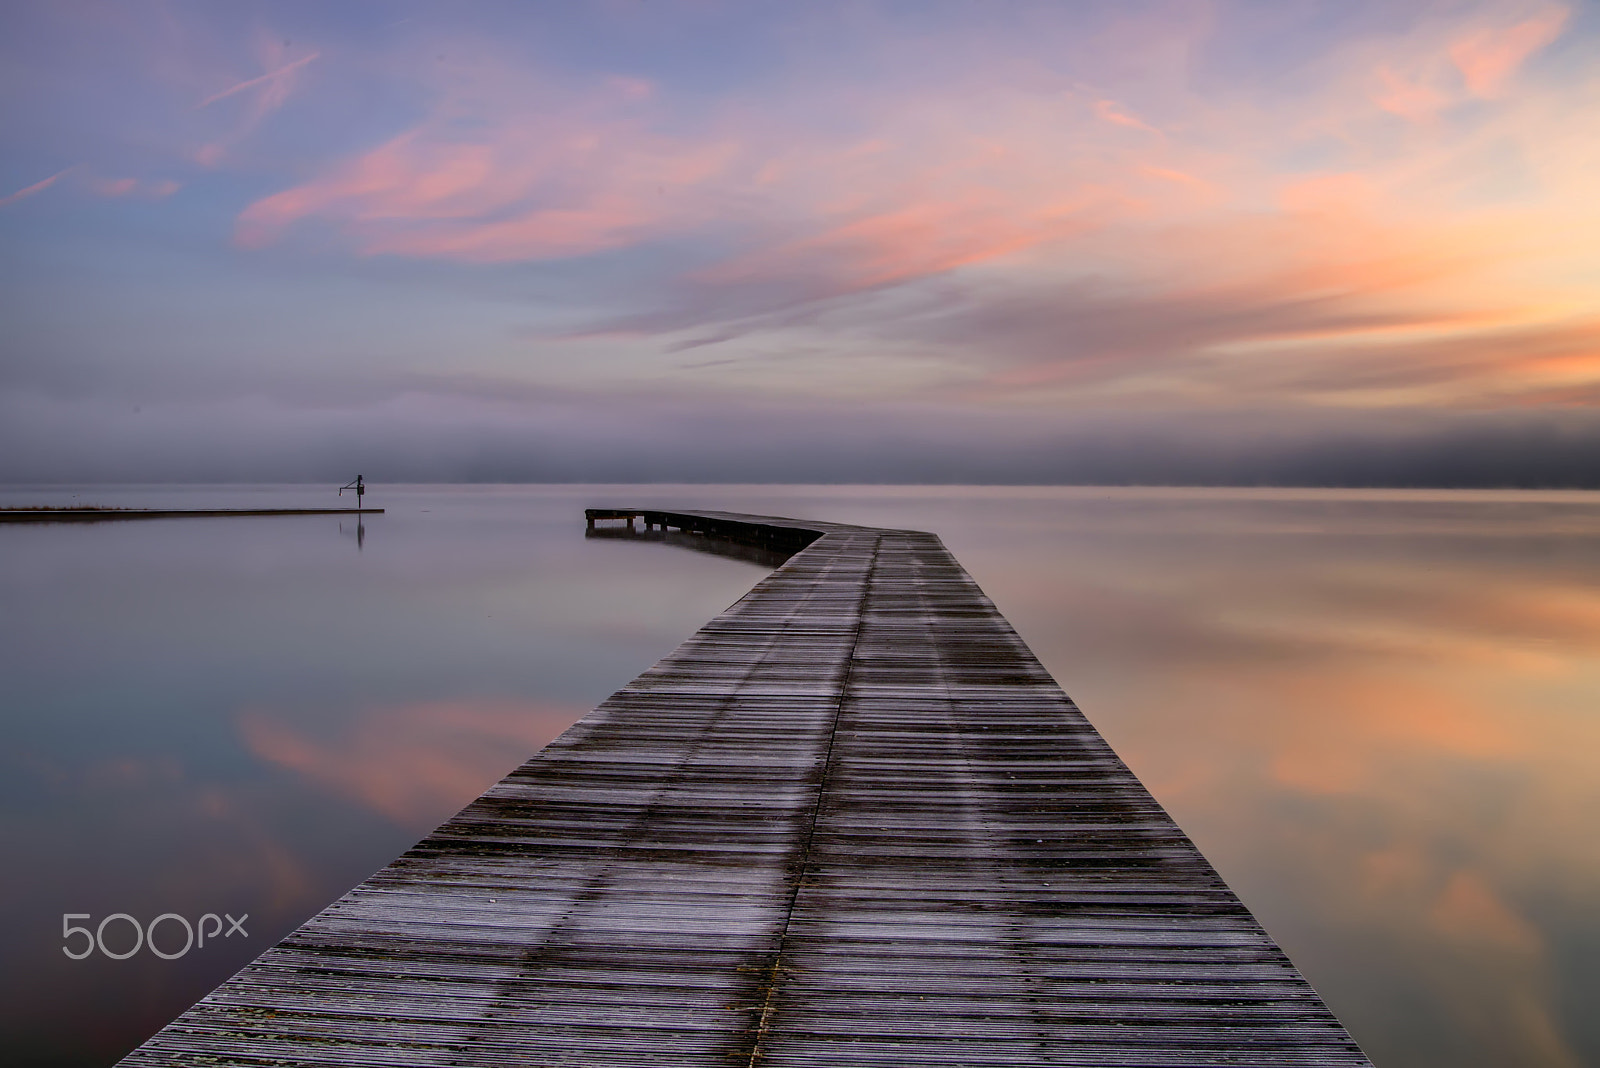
(408,431)
(1375,712)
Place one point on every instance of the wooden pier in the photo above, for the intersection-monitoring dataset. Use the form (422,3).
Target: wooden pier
(108,515)
(850,822)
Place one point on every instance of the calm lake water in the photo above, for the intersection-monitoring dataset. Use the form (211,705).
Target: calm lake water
(1377,713)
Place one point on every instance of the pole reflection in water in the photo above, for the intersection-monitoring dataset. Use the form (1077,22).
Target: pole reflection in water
(360,533)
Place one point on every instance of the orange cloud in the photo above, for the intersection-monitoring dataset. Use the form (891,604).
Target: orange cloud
(1347,193)
(1383,721)
(1170,175)
(1489,57)
(1467,910)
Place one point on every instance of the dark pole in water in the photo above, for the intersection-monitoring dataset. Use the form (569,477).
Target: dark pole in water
(360,488)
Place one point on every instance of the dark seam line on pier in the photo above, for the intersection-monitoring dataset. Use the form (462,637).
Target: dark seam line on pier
(1027,976)
(557,937)
(811,829)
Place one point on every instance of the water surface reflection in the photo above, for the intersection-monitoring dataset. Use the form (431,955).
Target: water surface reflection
(248,716)
(1375,712)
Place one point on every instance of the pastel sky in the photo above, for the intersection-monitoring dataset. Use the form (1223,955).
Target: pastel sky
(986,241)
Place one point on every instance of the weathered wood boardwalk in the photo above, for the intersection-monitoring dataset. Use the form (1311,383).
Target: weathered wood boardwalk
(851,821)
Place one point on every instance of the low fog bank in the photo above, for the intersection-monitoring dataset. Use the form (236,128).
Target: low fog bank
(429,438)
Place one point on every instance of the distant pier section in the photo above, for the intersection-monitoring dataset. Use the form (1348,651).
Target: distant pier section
(105,515)
(852,821)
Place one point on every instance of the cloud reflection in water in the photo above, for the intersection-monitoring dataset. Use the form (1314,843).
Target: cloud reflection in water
(416,764)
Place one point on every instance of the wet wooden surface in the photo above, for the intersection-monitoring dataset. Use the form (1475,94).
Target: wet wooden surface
(851,821)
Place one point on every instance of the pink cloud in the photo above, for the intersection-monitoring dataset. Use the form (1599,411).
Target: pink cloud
(593,171)
(874,248)
(567,175)
(1113,113)
(105,187)
(538,188)
(1488,58)
(36,187)
(115,187)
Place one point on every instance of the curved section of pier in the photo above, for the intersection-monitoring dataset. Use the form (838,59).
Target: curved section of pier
(851,821)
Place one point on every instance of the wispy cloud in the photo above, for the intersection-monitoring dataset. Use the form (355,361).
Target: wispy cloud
(1162,206)
(1489,57)
(1219,262)
(1112,112)
(1475,62)
(148,188)
(1410,98)
(277,82)
(153,189)
(481,184)
(596,168)
(266,94)
(37,187)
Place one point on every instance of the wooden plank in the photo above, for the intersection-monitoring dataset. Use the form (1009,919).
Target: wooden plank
(851,820)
